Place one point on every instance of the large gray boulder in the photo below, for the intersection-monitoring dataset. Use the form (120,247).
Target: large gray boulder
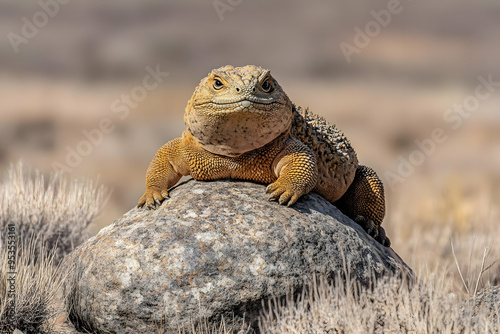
(214,249)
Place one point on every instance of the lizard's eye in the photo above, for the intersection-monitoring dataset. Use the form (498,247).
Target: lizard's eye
(266,86)
(218,84)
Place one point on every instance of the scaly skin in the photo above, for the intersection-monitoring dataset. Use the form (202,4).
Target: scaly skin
(240,124)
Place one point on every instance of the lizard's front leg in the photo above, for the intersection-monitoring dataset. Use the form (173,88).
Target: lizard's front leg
(165,170)
(296,170)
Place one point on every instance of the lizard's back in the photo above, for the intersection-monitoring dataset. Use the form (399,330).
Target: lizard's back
(336,159)
(356,189)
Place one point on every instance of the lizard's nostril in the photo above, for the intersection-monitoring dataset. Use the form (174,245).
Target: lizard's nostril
(253,89)
(237,89)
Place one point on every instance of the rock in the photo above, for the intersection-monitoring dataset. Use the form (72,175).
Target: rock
(214,249)
(485,305)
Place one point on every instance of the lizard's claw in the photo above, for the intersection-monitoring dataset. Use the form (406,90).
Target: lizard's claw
(375,231)
(283,193)
(152,198)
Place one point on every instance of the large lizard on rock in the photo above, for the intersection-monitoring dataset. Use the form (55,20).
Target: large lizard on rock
(242,125)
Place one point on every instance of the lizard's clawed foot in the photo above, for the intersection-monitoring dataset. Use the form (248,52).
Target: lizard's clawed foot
(152,198)
(283,192)
(375,231)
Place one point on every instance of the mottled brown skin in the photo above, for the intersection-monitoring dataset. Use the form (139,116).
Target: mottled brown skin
(240,124)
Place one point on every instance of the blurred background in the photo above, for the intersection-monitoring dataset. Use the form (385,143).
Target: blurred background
(63,64)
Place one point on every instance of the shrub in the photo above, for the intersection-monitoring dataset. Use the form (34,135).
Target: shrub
(56,212)
(40,222)
(28,297)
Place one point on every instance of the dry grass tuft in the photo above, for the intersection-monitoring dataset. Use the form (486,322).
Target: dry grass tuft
(54,211)
(449,225)
(28,296)
(223,327)
(428,307)
(40,222)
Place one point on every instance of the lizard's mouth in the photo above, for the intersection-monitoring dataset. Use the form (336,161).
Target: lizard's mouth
(232,126)
(262,106)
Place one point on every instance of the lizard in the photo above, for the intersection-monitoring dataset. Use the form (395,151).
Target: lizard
(240,124)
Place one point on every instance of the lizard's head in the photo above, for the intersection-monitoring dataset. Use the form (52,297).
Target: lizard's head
(238,109)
